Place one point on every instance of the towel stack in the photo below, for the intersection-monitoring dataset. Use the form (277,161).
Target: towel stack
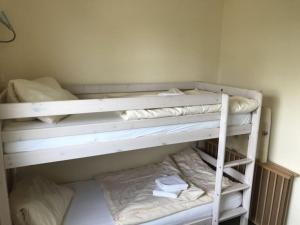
(169,186)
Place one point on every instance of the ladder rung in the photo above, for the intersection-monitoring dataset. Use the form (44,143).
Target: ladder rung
(238,162)
(230,214)
(235,188)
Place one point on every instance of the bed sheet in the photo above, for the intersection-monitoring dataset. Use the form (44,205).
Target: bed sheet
(89,208)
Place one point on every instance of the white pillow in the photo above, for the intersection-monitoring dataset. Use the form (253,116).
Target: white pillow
(39,90)
(38,201)
(197,171)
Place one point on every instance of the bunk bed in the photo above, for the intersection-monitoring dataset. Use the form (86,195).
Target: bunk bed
(96,128)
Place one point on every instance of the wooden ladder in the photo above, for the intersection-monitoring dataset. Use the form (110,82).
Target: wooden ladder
(249,162)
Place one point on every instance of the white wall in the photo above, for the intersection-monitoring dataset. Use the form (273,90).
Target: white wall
(261,50)
(111,41)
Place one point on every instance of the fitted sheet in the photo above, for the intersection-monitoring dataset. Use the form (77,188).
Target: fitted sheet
(49,143)
(90,208)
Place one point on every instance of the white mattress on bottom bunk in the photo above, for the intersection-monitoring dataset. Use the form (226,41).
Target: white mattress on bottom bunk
(89,208)
(49,143)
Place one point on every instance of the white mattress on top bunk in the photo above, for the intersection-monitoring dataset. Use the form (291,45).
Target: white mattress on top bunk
(89,208)
(50,143)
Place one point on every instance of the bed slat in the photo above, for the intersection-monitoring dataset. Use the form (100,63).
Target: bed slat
(235,188)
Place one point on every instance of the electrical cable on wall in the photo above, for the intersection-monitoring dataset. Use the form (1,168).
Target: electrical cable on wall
(4,20)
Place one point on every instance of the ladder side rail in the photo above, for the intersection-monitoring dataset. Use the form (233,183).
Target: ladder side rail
(220,159)
(5,217)
(251,154)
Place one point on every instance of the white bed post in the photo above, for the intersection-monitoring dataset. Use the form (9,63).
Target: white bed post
(220,159)
(5,218)
(251,154)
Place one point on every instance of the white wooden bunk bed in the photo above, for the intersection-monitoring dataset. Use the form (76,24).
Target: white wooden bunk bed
(25,144)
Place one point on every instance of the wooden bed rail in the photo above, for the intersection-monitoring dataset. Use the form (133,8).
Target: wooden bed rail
(127,88)
(144,87)
(51,108)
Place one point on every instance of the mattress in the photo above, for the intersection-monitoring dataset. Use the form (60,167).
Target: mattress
(67,141)
(89,208)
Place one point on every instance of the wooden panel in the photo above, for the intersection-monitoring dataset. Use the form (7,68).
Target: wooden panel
(270,198)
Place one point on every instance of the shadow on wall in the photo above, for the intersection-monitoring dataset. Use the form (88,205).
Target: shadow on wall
(240,143)
(272,102)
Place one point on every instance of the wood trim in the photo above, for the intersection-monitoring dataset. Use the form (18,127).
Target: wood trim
(60,130)
(4,201)
(79,89)
(220,159)
(254,94)
(251,154)
(38,109)
(144,87)
(101,148)
(236,163)
(279,170)
(234,174)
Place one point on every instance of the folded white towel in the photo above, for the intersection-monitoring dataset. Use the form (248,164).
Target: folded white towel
(171,183)
(161,193)
(191,194)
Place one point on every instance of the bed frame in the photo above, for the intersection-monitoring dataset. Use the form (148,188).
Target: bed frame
(220,95)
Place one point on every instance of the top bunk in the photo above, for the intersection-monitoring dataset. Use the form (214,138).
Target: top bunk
(104,120)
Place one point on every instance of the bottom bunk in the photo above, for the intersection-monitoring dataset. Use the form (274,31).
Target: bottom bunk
(127,197)
(89,207)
